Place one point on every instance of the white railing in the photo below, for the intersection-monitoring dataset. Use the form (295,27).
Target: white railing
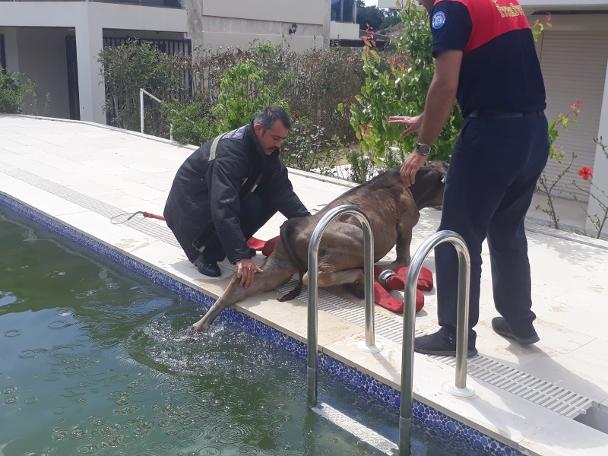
(143,92)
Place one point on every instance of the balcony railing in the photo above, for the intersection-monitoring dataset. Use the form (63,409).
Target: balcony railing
(158,3)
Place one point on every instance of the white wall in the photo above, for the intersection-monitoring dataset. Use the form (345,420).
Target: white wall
(391,4)
(305,12)
(600,170)
(231,32)
(42,58)
(344,31)
(238,23)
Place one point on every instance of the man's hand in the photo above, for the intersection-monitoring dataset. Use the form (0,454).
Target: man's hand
(413,124)
(246,270)
(410,167)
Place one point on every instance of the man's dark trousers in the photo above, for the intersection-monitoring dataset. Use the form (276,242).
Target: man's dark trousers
(256,210)
(492,175)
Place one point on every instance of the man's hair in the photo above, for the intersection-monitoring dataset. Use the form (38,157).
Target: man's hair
(270,115)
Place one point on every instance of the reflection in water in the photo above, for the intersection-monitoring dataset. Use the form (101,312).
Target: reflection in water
(95,362)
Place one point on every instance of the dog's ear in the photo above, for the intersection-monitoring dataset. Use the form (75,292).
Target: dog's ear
(442,167)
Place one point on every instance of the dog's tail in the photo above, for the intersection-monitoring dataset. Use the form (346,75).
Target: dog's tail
(287,236)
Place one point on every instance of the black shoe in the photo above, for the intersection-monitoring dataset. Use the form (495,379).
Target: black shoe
(208,268)
(440,343)
(252,252)
(502,328)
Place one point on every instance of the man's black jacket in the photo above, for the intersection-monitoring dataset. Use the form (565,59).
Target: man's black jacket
(206,192)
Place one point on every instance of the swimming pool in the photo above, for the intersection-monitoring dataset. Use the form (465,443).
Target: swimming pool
(96,360)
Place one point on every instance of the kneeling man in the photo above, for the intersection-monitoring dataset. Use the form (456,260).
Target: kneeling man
(228,189)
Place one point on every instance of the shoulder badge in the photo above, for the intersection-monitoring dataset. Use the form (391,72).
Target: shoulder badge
(438,20)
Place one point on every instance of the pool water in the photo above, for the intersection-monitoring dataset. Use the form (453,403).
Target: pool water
(95,360)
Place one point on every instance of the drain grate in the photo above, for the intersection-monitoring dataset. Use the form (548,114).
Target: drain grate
(536,390)
(527,386)
(145,226)
(514,381)
(350,311)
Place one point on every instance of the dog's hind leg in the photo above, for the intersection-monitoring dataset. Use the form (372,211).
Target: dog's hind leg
(276,271)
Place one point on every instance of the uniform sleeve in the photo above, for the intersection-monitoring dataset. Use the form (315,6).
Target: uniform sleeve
(283,196)
(226,175)
(450,26)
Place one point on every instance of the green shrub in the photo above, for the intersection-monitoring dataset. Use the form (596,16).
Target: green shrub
(225,86)
(132,66)
(243,94)
(14,87)
(191,122)
(396,83)
(309,147)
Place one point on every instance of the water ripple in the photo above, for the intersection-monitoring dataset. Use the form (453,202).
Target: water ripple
(32,353)
(60,324)
(7,298)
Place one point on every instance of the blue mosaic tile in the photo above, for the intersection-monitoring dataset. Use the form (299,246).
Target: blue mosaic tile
(430,421)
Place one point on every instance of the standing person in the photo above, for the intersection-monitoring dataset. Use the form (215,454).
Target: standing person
(228,189)
(485,57)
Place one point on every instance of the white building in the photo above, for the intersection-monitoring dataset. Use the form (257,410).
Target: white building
(56,44)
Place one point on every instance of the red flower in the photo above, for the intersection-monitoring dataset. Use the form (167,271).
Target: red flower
(296,115)
(575,107)
(585,172)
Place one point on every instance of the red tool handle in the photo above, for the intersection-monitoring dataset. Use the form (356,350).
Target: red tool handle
(154,216)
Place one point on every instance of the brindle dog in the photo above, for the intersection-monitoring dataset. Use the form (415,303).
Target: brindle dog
(392,209)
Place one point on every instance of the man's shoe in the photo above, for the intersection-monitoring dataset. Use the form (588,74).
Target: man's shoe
(208,268)
(440,343)
(502,328)
(252,252)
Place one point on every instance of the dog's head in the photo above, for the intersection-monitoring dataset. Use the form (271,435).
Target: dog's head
(430,182)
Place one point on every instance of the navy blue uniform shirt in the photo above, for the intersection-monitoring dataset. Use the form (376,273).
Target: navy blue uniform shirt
(500,69)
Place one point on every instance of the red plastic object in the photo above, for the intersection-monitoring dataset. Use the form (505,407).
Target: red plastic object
(384,299)
(397,281)
(270,245)
(255,244)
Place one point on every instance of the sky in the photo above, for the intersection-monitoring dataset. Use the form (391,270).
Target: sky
(371,2)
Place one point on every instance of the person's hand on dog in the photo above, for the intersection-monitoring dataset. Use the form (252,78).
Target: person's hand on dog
(413,162)
(246,270)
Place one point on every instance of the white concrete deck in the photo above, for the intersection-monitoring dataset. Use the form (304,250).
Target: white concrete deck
(79,173)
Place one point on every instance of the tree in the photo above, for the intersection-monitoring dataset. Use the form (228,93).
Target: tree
(369,15)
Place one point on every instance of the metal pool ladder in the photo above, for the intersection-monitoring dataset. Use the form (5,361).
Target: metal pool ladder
(361,431)
(409,319)
(313,290)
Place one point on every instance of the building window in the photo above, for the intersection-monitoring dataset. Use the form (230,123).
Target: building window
(2,54)
(343,10)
